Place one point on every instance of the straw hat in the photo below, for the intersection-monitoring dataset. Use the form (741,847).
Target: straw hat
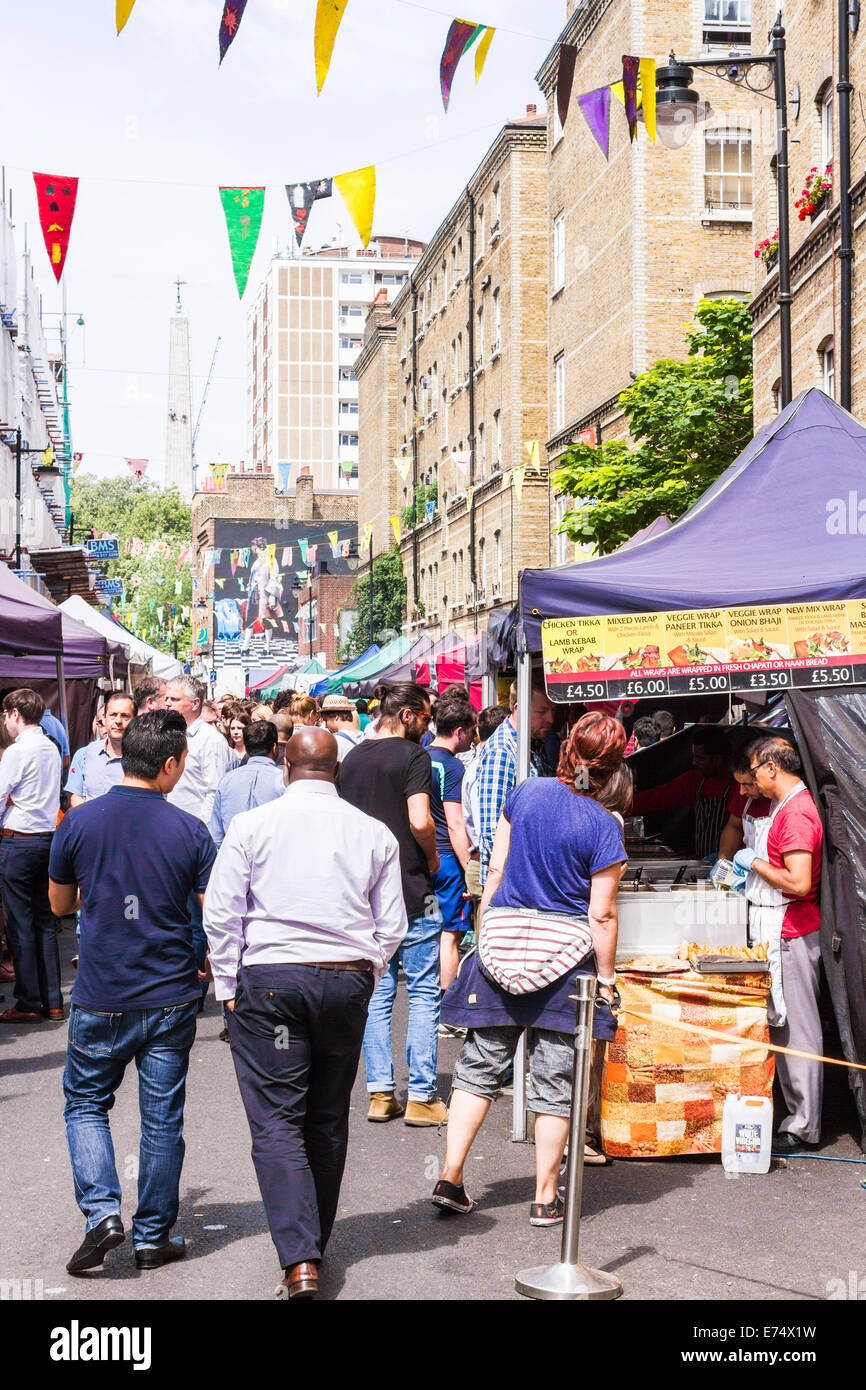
(337,704)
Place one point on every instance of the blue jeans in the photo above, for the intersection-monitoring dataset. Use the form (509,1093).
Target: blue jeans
(419,956)
(101,1045)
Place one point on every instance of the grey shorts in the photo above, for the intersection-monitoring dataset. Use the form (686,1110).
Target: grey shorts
(488,1052)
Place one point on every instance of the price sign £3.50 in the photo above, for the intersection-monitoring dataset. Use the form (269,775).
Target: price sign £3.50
(717,651)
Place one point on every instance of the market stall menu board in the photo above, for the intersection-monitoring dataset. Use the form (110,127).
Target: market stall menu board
(705,651)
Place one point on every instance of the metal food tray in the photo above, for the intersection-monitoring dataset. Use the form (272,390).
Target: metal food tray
(729,965)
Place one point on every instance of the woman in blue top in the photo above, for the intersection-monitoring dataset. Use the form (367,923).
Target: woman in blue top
(557,851)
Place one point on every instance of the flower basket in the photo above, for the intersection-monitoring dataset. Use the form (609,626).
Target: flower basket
(815,194)
(768,250)
(772,261)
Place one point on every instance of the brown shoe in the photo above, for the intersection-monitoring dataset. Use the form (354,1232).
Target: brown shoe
(301,1281)
(17,1016)
(54,1015)
(7,973)
(384,1105)
(426,1112)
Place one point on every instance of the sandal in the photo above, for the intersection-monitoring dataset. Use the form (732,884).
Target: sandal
(592,1156)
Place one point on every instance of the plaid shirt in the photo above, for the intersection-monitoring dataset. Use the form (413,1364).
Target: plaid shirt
(497,774)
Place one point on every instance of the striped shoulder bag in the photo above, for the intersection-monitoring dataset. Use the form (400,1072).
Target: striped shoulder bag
(524,950)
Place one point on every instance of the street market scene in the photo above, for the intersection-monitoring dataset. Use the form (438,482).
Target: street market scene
(433,761)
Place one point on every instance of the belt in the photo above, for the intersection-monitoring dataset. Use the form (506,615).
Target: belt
(336,964)
(27,834)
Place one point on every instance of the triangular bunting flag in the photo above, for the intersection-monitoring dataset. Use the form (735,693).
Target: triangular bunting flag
(328,16)
(531,448)
(123,10)
(461,36)
(430,509)
(286,557)
(312,554)
(461,459)
(301,198)
(347,466)
(395,526)
(565,78)
(285,471)
(234,560)
(482,50)
(77,460)
(333,538)
(137,467)
(630,70)
(517,476)
(368,534)
(55,196)
(470,491)
(648,94)
(358,190)
(302,575)
(218,471)
(302,546)
(403,467)
(243,208)
(596,108)
(233,13)
(246,553)
(272,555)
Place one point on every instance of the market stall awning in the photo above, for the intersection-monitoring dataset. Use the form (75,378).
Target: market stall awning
(405,669)
(29,623)
(371,666)
(775,528)
(141,653)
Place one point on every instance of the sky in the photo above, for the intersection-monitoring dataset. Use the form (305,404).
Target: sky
(151,125)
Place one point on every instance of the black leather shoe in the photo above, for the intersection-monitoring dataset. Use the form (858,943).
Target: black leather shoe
(154,1256)
(787,1143)
(97,1243)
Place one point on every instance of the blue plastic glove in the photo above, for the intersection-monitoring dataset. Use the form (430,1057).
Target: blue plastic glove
(739,884)
(744,859)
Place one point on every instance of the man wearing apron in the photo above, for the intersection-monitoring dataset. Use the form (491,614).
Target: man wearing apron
(783,868)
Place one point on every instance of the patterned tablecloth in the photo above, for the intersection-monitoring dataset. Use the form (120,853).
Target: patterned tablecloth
(663,1089)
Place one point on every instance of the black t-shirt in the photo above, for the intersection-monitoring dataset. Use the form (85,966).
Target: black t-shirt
(378,777)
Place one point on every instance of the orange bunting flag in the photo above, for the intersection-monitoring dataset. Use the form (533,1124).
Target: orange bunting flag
(122,12)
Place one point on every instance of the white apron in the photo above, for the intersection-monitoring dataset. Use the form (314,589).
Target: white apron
(767,907)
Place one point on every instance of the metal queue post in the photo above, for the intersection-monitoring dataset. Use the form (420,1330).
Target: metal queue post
(569,1279)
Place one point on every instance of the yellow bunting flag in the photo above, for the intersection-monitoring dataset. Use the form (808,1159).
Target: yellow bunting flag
(395,525)
(47,458)
(368,534)
(124,10)
(531,447)
(517,476)
(469,492)
(482,51)
(328,16)
(619,92)
(272,555)
(358,189)
(648,95)
(333,536)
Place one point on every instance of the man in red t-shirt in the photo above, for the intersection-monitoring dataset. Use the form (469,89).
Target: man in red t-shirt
(793,867)
(745,799)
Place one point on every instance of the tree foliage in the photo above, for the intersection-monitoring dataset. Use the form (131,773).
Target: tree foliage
(689,421)
(127,509)
(389,603)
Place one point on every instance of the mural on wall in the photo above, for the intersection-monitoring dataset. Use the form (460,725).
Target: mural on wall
(258,572)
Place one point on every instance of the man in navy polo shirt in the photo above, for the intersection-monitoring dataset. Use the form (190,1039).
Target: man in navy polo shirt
(135,859)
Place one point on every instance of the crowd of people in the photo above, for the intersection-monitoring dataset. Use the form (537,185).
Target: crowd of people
(299,854)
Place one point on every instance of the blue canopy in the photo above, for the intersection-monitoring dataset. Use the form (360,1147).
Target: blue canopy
(779,526)
(322,686)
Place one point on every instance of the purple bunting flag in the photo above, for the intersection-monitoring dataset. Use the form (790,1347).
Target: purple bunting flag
(630,70)
(596,108)
(564,78)
(233,13)
(460,37)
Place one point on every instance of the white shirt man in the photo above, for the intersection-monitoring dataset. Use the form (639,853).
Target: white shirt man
(208,756)
(30,783)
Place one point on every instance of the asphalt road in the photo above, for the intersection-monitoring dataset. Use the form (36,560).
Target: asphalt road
(670,1229)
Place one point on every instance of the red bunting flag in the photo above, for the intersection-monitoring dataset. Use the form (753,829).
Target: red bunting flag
(55,195)
(137,467)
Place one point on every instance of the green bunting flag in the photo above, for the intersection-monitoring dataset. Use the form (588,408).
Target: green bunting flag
(243,208)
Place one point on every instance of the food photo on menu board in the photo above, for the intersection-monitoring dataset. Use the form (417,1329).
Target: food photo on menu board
(715,649)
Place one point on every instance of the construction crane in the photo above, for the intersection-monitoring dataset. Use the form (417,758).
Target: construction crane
(204,396)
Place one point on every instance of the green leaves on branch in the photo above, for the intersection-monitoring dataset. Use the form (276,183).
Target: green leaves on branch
(689,421)
(389,602)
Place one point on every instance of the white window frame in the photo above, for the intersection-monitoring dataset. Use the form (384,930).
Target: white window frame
(496,345)
(719,28)
(559,391)
(481,436)
(479,233)
(559,253)
(497,209)
(715,208)
(479,346)
(497,541)
(828,369)
(827,142)
(562,541)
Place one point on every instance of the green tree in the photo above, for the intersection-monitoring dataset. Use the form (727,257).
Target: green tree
(689,421)
(389,603)
(128,509)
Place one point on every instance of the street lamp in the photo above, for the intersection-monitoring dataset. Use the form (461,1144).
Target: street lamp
(677,111)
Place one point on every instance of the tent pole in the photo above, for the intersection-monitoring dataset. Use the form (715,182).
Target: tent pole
(524,700)
(61,692)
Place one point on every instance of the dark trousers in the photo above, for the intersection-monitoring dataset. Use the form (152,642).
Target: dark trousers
(31,928)
(296,1035)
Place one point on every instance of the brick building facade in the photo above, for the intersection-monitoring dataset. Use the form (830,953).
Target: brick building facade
(813,139)
(635,241)
(452,384)
(256,552)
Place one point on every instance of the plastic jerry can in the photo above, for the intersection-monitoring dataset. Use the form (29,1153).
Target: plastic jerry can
(747,1132)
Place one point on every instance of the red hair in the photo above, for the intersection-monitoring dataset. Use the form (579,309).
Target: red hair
(592,754)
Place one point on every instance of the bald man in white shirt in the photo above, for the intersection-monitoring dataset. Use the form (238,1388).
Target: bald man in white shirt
(303,911)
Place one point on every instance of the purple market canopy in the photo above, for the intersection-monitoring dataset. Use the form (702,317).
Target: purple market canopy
(781,525)
(28,622)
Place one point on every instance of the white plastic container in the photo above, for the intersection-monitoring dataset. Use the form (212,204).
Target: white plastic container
(747,1132)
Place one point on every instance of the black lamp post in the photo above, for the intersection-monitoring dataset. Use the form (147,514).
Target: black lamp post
(678,109)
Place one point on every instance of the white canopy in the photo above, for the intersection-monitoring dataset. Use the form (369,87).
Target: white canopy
(142,653)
